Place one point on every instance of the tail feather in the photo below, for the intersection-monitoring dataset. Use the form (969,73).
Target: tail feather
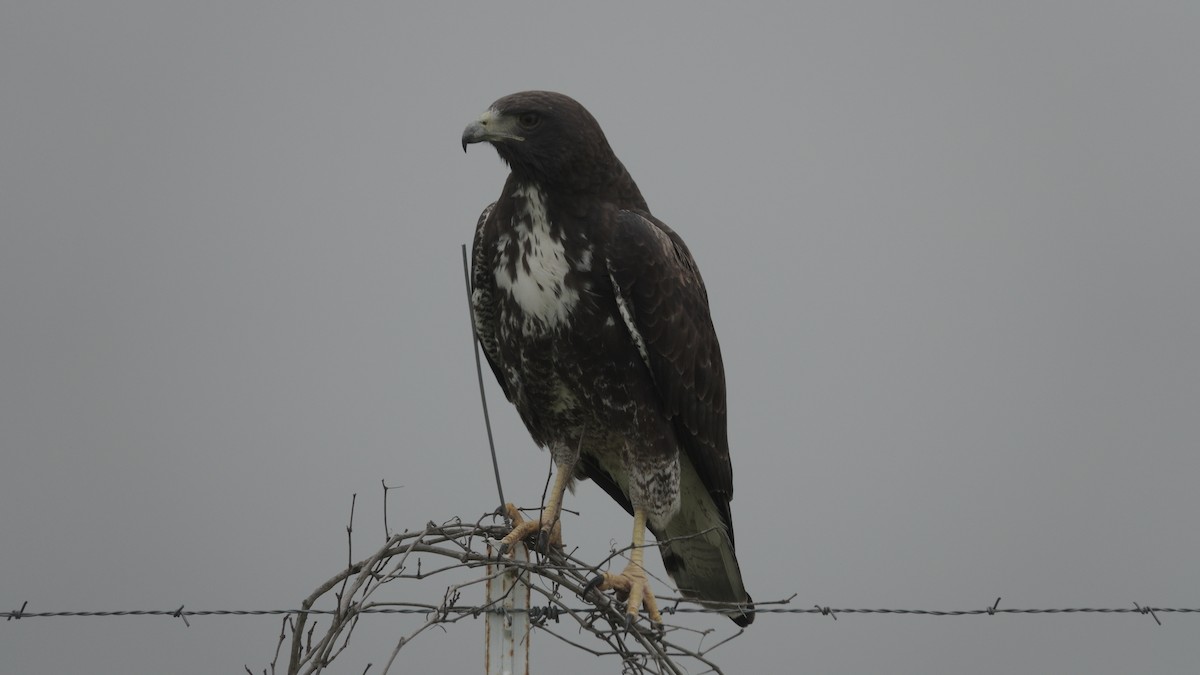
(697,551)
(704,568)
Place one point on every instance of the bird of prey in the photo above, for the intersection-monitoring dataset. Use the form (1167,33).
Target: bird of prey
(595,321)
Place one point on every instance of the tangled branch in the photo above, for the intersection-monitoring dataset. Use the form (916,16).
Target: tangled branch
(377,583)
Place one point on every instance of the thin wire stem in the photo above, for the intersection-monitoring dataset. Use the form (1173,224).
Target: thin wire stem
(487,420)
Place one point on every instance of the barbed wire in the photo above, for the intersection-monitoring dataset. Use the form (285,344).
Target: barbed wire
(552,613)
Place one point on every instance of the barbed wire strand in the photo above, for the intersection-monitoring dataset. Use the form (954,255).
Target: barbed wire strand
(552,613)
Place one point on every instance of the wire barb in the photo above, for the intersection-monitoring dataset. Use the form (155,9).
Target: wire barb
(1148,610)
(19,613)
(538,616)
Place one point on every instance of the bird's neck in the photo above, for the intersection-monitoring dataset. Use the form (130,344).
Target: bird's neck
(586,189)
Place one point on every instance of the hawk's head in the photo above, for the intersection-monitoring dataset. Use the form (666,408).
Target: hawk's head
(547,138)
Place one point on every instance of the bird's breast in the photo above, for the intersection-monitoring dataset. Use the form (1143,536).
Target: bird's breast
(540,267)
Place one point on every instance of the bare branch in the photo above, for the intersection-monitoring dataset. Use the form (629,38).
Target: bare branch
(557,577)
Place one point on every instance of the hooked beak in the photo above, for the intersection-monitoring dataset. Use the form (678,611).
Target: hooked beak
(490,127)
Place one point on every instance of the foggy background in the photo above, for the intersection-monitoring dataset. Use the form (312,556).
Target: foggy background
(951,251)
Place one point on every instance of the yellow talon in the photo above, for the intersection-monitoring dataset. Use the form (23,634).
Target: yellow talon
(547,525)
(523,529)
(632,581)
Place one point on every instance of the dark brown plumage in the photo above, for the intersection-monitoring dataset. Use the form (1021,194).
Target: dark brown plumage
(595,321)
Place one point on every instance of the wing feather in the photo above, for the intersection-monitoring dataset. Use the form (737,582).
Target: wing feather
(483,288)
(656,278)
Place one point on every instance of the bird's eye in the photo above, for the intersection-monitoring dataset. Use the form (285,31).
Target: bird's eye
(529,120)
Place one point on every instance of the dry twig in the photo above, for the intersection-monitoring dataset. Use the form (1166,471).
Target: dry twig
(558,578)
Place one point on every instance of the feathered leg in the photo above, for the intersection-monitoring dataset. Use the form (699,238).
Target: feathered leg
(632,580)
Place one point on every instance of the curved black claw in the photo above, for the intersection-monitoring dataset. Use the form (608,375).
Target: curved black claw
(592,585)
(628,621)
(504,548)
(543,542)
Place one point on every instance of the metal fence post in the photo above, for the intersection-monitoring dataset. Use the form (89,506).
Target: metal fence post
(507,628)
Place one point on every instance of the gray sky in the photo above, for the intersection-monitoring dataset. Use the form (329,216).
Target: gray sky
(951,250)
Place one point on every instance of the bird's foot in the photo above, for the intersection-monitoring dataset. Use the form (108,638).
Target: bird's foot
(630,585)
(549,532)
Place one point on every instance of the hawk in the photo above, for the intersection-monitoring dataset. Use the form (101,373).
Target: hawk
(595,321)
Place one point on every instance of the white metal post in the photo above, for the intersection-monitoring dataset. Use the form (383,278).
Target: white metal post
(507,631)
